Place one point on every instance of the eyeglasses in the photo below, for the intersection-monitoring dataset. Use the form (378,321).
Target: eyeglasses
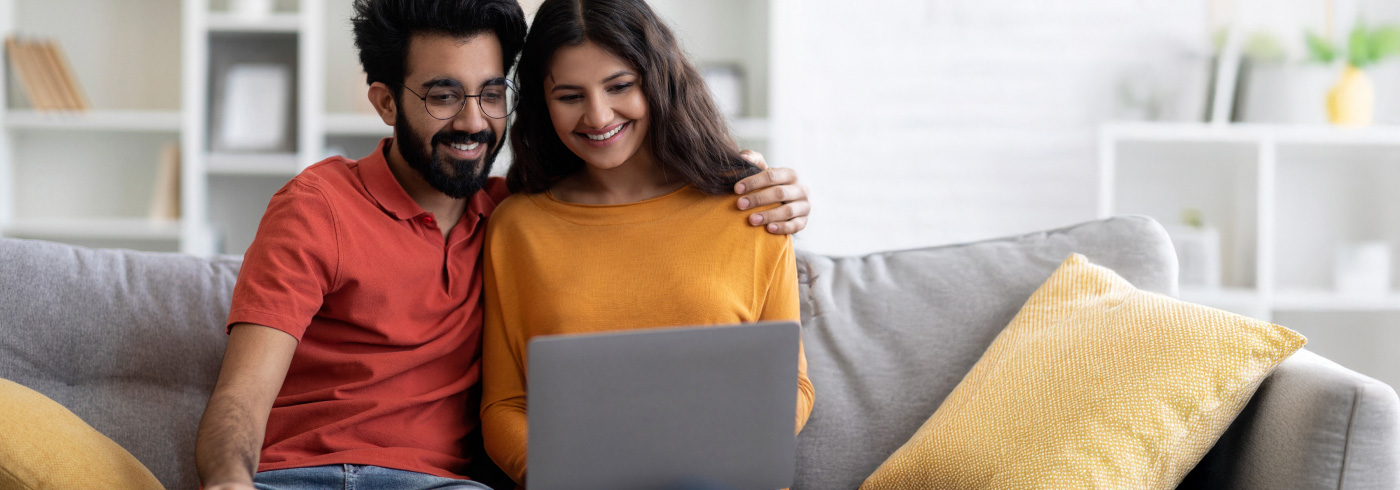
(496,98)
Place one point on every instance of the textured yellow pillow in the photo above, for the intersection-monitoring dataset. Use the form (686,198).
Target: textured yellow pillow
(1094,384)
(44,446)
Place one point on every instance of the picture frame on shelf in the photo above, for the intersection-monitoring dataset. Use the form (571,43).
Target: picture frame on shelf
(253,108)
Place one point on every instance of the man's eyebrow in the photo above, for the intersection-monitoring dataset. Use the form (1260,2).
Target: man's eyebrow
(441,81)
(605,80)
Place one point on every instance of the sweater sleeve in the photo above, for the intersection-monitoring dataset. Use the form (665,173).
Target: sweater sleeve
(782,303)
(503,405)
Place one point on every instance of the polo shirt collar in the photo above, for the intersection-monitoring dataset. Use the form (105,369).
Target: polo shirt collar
(381,184)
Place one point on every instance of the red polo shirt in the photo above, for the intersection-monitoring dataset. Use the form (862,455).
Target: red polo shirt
(387,315)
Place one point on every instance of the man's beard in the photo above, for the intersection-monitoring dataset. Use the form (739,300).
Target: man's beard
(456,178)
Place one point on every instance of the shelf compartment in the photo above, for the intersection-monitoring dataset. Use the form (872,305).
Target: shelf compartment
(1328,198)
(1242,133)
(259,164)
(1219,180)
(1322,300)
(352,124)
(275,23)
(119,121)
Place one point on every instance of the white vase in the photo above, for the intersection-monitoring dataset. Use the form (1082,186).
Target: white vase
(1287,93)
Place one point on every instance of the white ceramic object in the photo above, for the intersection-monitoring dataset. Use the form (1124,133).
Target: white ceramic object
(1363,268)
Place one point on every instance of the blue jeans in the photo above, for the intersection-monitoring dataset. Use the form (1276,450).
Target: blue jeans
(353,476)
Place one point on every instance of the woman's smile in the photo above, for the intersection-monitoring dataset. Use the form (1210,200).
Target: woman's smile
(605,137)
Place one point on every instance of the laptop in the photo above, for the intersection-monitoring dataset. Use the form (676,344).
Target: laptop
(669,408)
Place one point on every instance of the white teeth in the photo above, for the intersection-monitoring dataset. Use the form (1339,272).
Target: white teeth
(609,134)
(467,147)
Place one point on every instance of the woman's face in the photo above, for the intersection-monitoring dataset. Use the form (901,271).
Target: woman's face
(596,104)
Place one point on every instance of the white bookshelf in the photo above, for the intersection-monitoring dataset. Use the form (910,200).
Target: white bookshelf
(353,124)
(287,23)
(1283,198)
(121,121)
(92,187)
(88,177)
(253,164)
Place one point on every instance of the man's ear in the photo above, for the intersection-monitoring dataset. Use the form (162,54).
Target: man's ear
(382,97)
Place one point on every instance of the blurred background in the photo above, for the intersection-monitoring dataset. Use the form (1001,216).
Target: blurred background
(1265,135)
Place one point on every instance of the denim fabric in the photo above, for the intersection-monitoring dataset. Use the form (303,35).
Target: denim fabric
(351,477)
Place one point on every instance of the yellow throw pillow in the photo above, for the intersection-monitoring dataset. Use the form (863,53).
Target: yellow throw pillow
(1094,384)
(45,446)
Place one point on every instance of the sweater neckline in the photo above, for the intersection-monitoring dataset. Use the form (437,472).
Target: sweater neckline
(614,214)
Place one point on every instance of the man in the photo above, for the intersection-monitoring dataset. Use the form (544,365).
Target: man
(354,335)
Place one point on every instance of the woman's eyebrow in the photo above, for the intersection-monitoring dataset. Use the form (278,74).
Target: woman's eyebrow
(605,80)
(616,75)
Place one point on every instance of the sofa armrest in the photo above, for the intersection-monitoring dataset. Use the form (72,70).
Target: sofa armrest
(1312,425)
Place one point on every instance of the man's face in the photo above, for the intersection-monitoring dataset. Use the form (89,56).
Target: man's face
(453,155)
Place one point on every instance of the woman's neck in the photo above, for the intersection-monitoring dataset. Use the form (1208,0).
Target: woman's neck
(637,179)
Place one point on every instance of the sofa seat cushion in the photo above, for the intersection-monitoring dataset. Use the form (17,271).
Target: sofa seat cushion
(1094,384)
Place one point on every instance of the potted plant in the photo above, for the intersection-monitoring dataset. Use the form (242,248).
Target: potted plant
(1352,100)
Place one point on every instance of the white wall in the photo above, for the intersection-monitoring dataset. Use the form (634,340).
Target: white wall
(919,122)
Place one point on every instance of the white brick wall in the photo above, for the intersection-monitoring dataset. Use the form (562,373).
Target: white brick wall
(919,122)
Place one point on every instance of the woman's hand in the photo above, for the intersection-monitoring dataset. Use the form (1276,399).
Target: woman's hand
(774,185)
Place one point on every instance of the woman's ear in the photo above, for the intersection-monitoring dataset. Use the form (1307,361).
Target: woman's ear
(382,97)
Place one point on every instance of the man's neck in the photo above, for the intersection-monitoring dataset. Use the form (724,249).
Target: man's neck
(445,208)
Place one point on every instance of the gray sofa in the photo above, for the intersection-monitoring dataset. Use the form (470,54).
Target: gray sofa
(131,342)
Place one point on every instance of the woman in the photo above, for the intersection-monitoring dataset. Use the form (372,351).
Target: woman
(620,219)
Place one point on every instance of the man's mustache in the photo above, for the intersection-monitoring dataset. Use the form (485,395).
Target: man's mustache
(460,137)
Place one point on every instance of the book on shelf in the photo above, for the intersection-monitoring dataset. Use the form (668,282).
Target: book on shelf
(44,75)
(165,197)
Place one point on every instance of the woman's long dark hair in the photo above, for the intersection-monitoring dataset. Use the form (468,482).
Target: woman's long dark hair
(688,135)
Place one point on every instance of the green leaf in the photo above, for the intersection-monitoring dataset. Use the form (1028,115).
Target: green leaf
(1359,48)
(1319,49)
(1385,42)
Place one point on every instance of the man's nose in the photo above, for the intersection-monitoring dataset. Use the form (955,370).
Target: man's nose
(470,119)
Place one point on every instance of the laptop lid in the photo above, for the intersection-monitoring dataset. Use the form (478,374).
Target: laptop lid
(699,407)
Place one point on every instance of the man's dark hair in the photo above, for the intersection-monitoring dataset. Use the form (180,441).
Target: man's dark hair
(383,29)
(688,135)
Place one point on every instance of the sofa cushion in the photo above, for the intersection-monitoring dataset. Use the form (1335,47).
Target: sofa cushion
(1094,384)
(877,325)
(131,342)
(46,446)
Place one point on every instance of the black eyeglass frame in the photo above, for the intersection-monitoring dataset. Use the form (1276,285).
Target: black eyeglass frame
(510,85)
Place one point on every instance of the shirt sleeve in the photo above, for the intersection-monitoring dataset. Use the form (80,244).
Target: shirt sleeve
(503,402)
(782,303)
(291,265)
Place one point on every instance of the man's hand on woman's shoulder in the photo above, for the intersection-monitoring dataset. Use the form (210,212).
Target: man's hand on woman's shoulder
(774,185)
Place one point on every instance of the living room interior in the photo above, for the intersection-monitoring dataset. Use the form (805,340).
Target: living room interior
(1262,136)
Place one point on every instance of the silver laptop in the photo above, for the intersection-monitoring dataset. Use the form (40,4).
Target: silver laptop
(672,408)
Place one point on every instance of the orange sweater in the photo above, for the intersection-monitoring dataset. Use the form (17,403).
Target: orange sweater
(553,267)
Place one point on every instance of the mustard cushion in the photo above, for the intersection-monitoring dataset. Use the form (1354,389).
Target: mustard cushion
(45,446)
(1093,384)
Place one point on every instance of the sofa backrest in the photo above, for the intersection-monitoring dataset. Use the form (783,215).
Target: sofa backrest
(129,341)
(132,341)
(889,335)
